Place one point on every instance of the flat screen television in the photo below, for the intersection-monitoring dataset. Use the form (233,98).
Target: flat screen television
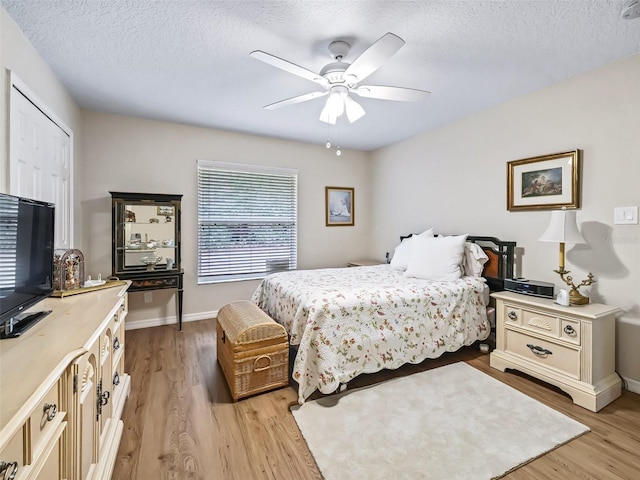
(26,261)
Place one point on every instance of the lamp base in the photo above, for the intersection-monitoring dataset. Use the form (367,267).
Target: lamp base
(575,297)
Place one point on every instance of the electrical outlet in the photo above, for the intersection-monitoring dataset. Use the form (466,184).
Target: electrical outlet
(148,297)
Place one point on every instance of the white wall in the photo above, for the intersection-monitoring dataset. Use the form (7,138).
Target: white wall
(134,155)
(454,179)
(18,56)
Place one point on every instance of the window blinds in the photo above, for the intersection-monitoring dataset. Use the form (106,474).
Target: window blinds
(8,243)
(247,221)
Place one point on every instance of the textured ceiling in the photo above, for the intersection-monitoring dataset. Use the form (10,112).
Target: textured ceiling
(187,61)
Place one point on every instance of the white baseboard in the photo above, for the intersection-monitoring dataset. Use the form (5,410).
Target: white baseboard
(157,322)
(632,385)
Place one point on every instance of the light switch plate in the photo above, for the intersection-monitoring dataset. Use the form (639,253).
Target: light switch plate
(625,215)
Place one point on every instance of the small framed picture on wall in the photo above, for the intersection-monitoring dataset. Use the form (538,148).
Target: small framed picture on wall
(339,206)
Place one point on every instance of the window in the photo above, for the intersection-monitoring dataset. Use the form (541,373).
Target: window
(247,221)
(8,244)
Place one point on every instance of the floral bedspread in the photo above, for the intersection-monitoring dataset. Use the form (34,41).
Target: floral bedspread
(349,321)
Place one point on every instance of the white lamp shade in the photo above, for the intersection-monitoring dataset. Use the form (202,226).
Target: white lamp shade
(563,228)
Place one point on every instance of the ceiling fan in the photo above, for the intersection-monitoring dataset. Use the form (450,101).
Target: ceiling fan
(340,78)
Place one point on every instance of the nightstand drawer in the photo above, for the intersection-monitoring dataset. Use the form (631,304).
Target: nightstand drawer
(570,330)
(541,323)
(512,315)
(542,352)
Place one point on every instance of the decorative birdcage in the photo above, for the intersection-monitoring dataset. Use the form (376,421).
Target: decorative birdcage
(68,269)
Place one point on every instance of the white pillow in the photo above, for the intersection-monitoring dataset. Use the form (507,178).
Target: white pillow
(437,258)
(473,260)
(402,253)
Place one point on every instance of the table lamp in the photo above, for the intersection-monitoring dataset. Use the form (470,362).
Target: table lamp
(562,229)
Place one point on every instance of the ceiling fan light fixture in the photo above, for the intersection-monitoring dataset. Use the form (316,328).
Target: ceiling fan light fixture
(327,115)
(333,108)
(353,109)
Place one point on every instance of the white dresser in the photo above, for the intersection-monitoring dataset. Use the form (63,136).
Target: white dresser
(571,347)
(62,390)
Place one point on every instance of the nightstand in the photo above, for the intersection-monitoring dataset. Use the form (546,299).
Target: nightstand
(572,347)
(364,263)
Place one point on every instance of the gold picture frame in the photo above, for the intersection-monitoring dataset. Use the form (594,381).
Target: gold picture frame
(547,182)
(339,206)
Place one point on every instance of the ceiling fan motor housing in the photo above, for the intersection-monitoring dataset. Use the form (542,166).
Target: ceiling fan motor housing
(334,72)
(339,49)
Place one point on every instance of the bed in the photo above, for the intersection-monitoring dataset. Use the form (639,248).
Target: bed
(354,320)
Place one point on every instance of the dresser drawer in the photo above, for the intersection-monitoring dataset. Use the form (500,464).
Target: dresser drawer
(545,353)
(13,456)
(118,339)
(44,419)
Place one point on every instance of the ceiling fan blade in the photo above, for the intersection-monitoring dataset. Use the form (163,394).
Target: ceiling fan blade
(391,93)
(294,100)
(374,56)
(289,67)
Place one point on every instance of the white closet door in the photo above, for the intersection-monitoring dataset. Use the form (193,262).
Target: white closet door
(40,161)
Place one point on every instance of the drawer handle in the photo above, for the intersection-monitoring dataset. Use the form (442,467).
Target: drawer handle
(116,343)
(50,409)
(4,469)
(116,379)
(260,369)
(541,352)
(512,315)
(569,330)
(104,399)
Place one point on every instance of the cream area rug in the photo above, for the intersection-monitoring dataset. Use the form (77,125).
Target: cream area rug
(452,422)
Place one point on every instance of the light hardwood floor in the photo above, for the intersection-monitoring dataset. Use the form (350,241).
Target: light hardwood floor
(180,421)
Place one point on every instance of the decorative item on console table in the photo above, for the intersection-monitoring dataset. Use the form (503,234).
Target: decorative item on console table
(147,252)
(572,348)
(68,270)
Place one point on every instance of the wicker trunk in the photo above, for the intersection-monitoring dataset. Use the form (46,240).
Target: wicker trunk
(253,350)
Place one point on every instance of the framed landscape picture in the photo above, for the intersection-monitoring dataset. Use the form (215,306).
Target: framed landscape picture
(339,206)
(547,182)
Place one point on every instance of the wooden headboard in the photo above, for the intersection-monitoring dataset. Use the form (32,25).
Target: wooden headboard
(501,259)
